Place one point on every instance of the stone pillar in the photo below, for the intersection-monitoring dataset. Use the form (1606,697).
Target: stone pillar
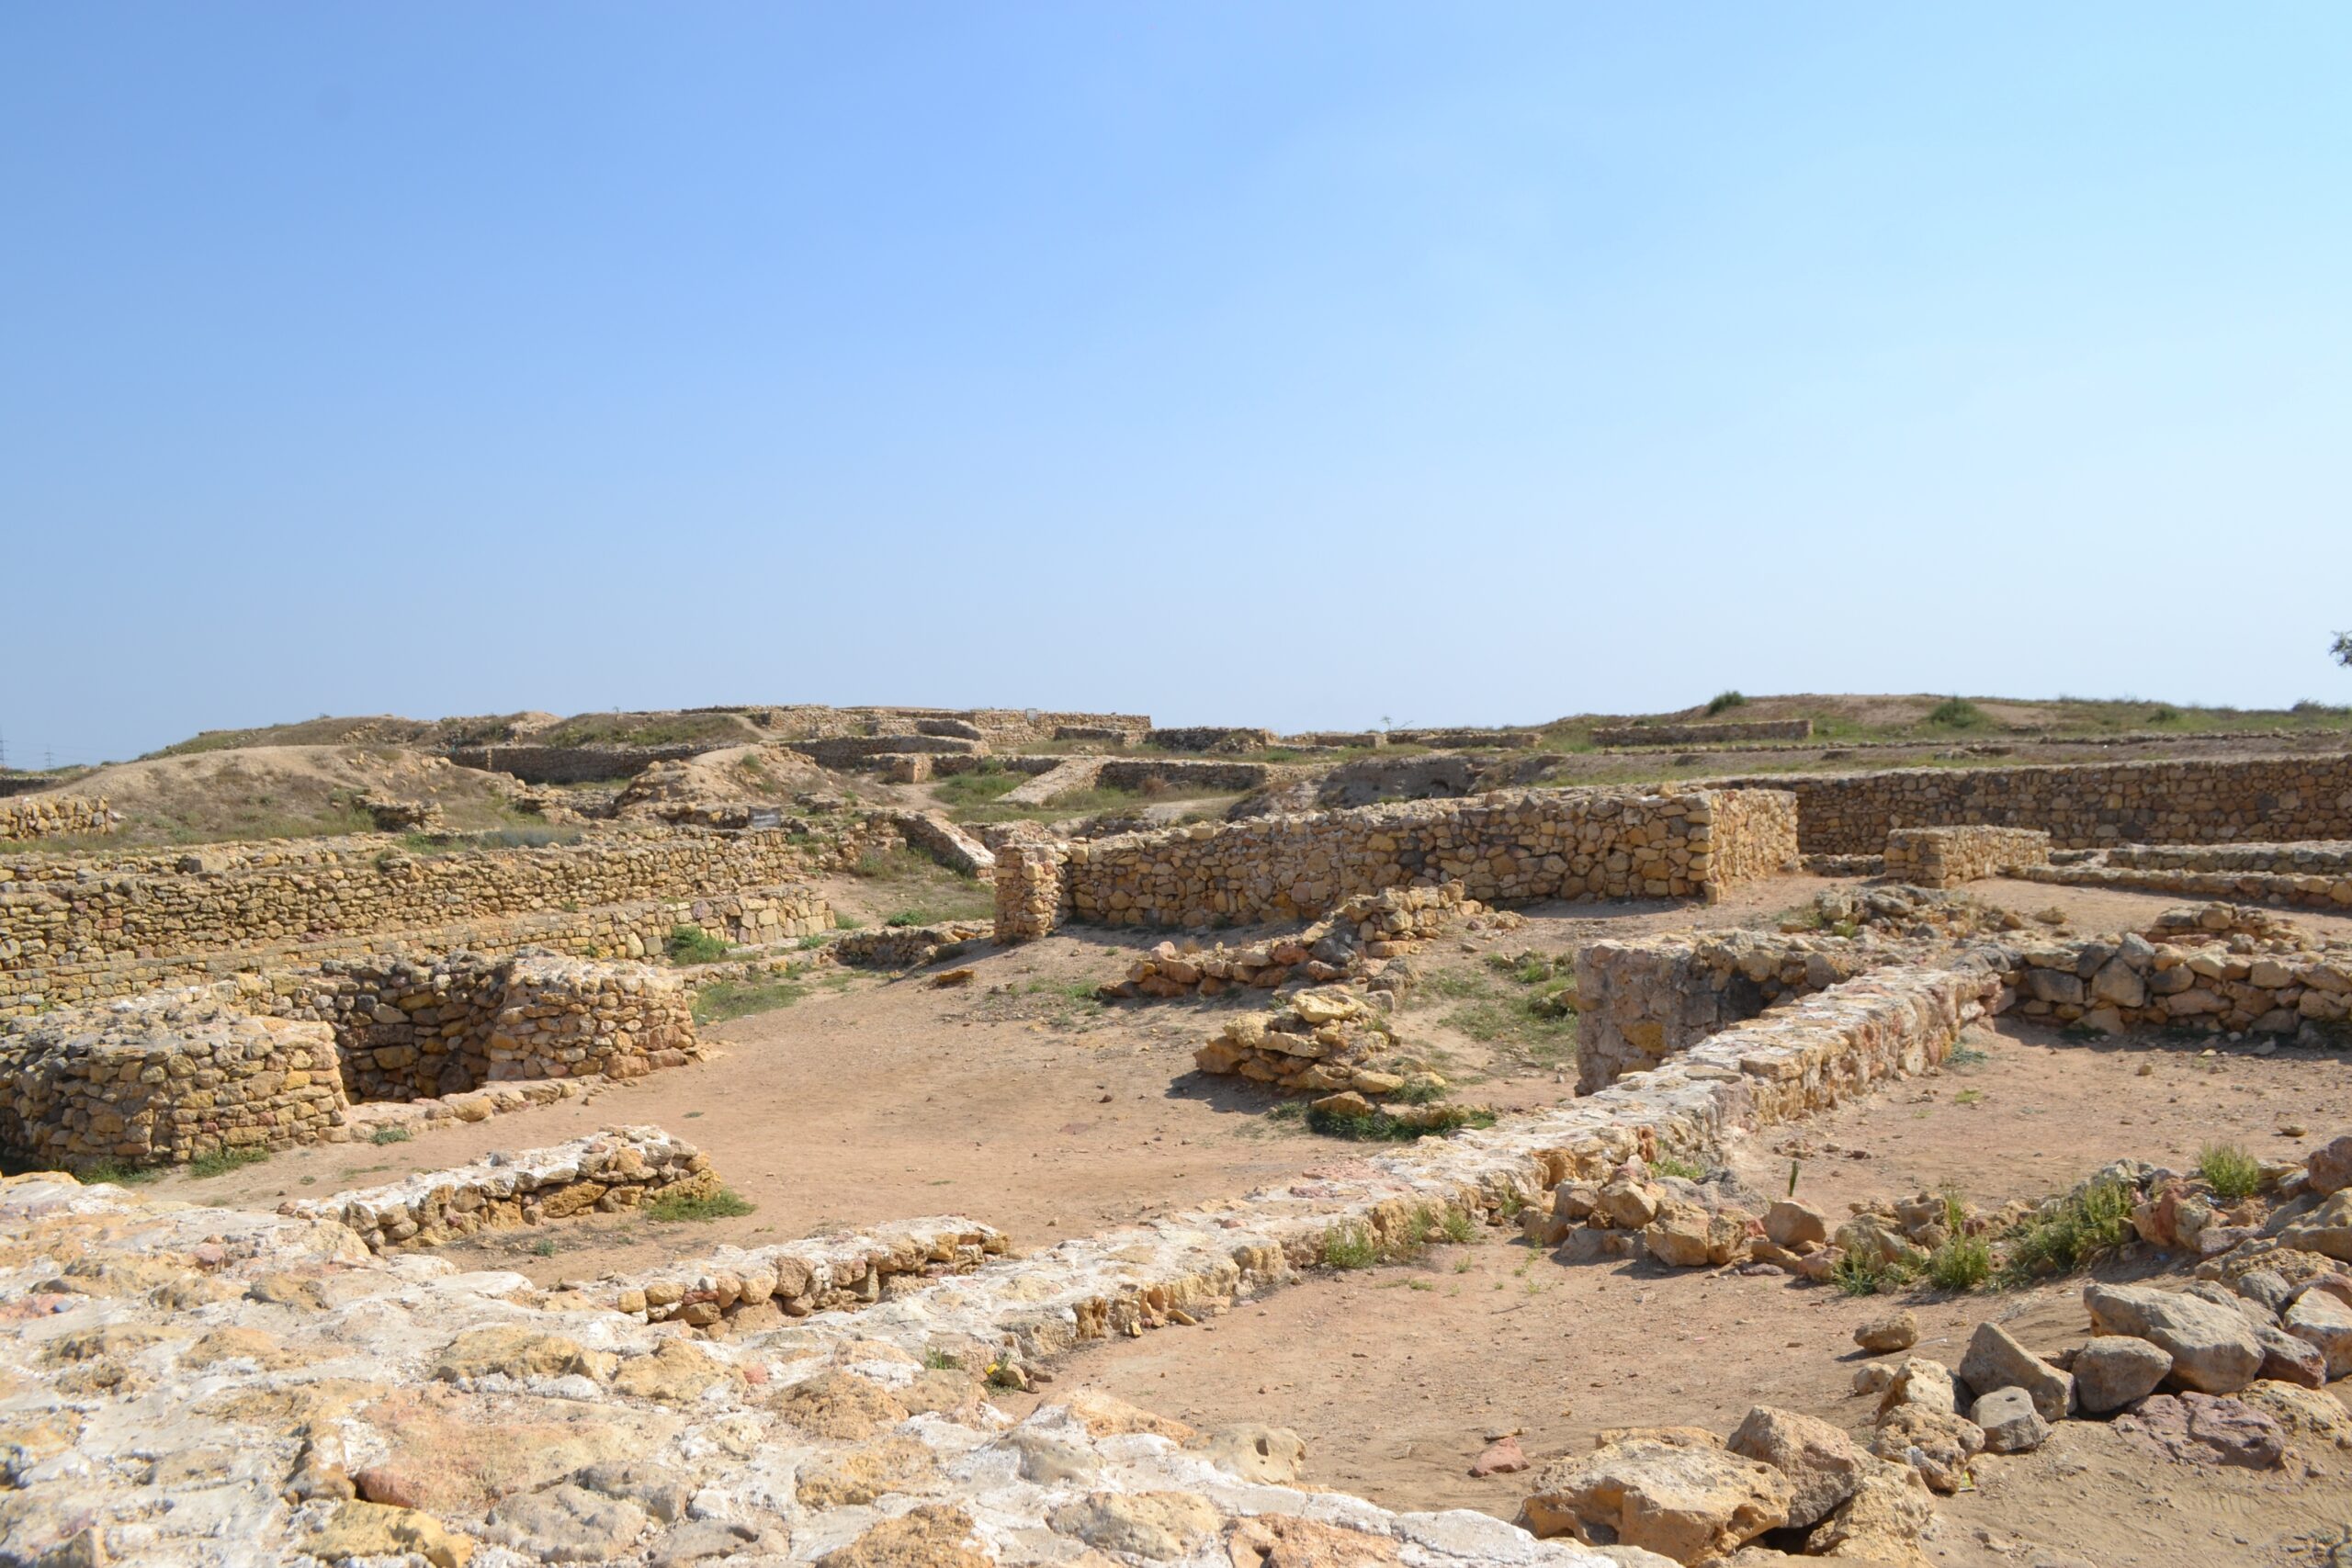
(1030,890)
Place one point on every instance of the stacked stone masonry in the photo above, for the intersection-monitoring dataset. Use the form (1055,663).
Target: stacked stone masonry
(54,817)
(617,1169)
(2309,876)
(1503,848)
(1705,734)
(573,764)
(152,908)
(1210,738)
(1947,857)
(1639,1003)
(756,1288)
(637,929)
(2203,969)
(2085,805)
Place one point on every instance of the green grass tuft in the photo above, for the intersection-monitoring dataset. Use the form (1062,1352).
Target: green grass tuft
(220,1162)
(1350,1246)
(1961,1264)
(726,999)
(2229,1171)
(2085,1222)
(691,944)
(1957,712)
(1381,1127)
(723,1204)
(118,1173)
(391,1135)
(1724,700)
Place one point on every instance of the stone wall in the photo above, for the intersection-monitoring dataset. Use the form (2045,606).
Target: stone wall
(1515,740)
(1144,773)
(374,887)
(1502,848)
(1639,1003)
(1031,889)
(2080,806)
(54,817)
(2197,969)
(1705,734)
(756,1288)
(1210,738)
(858,750)
(164,1078)
(574,764)
(634,929)
(1947,857)
(2312,876)
(906,947)
(618,1168)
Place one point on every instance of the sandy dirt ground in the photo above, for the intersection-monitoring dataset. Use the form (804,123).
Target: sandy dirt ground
(1014,1100)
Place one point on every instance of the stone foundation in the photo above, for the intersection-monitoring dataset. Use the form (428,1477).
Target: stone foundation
(1641,1002)
(1947,857)
(2310,876)
(54,817)
(738,1290)
(1210,738)
(618,1168)
(2202,969)
(2080,807)
(905,947)
(163,1079)
(1502,848)
(1705,734)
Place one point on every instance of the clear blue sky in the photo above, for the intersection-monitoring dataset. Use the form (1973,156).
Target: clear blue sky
(1295,364)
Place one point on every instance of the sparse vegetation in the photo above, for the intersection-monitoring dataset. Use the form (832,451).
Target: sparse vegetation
(1861,1274)
(976,788)
(1723,701)
(1383,1127)
(2068,1232)
(2229,1171)
(118,1173)
(1666,1164)
(1351,1246)
(723,1204)
(391,1135)
(220,1162)
(1956,713)
(1961,1264)
(689,944)
(725,999)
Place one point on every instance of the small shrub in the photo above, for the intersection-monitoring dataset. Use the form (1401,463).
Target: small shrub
(940,1361)
(1961,1264)
(1381,1127)
(220,1162)
(691,944)
(2085,1222)
(723,1204)
(1956,713)
(118,1173)
(1350,1246)
(1668,1165)
(543,1248)
(391,1135)
(1459,1228)
(2229,1171)
(1857,1275)
(905,919)
(1723,701)
(2164,714)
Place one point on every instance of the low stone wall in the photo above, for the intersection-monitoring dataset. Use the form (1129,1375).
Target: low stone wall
(620,1167)
(165,1078)
(2310,876)
(1355,943)
(2207,977)
(858,750)
(905,947)
(1947,857)
(944,842)
(1502,848)
(1639,1003)
(256,899)
(54,817)
(2081,805)
(574,764)
(1176,773)
(1705,734)
(1210,738)
(739,1290)
(1031,889)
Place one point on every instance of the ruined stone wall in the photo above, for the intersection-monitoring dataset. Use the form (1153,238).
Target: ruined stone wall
(575,764)
(634,929)
(1502,848)
(1141,773)
(165,1078)
(856,750)
(1705,734)
(158,913)
(54,817)
(1032,891)
(2317,885)
(1639,1003)
(2079,805)
(617,1169)
(755,1288)
(1516,739)
(1947,857)
(1210,738)
(2190,976)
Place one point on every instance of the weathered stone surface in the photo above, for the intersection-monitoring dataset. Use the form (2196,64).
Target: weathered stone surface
(372,1529)
(1935,1442)
(1687,1502)
(2116,1371)
(929,1535)
(2323,1322)
(1883,1522)
(1822,1464)
(2329,1167)
(1158,1524)
(1922,1383)
(2199,1428)
(2327,1230)
(1895,1331)
(2009,1421)
(568,1524)
(2302,1411)
(1996,1361)
(1271,1455)
(2213,1349)
(1792,1224)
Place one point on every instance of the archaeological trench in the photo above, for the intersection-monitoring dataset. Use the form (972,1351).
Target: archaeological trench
(317,1381)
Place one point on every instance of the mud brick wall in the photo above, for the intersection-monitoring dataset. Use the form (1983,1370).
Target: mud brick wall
(1501,848)
(1640,1002)
(1705,734)
(163,1079)
(2084,805)
(54,817)
(618,1168)
(153,912)
(1947,857)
